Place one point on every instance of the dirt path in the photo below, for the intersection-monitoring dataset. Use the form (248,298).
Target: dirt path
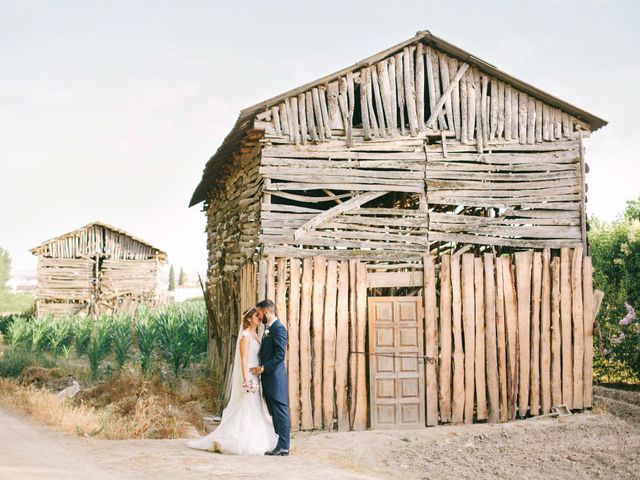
(581,446)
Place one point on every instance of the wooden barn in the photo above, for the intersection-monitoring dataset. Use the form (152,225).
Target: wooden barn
(419,219)
(97,269)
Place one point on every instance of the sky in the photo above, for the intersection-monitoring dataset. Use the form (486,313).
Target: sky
(110,109)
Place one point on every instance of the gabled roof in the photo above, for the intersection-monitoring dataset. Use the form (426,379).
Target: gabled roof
(244,123)
(75,232)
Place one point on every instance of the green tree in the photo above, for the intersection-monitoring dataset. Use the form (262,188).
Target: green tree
(5,270)
(615,250)
(172,279)
(182,278)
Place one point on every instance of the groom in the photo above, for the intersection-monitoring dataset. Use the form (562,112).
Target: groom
(274,374)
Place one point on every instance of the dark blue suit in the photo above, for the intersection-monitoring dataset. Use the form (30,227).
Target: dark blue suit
(275,384)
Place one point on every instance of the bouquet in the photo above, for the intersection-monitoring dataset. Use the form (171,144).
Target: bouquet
(251,385)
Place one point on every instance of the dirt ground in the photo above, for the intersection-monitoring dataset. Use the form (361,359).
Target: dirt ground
(599,444)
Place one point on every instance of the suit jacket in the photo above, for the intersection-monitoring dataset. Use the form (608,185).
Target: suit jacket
(272,353)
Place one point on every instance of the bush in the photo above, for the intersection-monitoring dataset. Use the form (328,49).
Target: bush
(14,361)
(615,249)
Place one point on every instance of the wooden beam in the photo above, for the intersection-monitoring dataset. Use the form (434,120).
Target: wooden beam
(350,204)
(442,100)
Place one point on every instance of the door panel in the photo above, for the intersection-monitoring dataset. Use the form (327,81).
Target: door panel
(396,362)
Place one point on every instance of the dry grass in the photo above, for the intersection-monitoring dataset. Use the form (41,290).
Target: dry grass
(136,407)
(43,406)
(126,406)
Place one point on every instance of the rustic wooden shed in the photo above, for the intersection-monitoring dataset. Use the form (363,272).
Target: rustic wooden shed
(419,219)
(96,269)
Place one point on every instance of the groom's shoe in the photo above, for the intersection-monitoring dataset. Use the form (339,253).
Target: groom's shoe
(277,452)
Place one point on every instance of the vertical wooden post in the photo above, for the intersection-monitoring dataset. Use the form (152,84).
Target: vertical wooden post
(353,347)
(523,283)
(583,193)
(293,357)
(457,399)
(481,388)
(444,387)
(360,418)
(329,344)
(271,278)
(342,347)
(565,319)
(534,404)
(556,338)
(468,320)
(588,305)
(317,311)
(490,337)
(262,280)
(578,329)
(511,317)
(306,412)
(281,291)
(501,339)
(545,335)
(431,338)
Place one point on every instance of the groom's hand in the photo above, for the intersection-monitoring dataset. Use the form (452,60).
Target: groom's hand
(257,370)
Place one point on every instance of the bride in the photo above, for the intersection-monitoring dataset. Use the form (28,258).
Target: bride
(246,427)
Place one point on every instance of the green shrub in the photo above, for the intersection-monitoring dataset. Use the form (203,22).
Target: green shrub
(14,361)
(6,319)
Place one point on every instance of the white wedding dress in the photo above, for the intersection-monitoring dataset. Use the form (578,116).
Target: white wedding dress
(246,427)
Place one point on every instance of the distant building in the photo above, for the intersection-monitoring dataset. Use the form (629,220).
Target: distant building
(96,269)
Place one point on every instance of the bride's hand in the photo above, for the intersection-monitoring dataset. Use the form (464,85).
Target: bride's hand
(256,370)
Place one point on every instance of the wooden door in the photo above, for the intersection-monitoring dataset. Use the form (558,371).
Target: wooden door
(396,362)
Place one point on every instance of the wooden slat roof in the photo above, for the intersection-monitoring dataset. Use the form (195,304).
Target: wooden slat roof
(98,223)
(244,123)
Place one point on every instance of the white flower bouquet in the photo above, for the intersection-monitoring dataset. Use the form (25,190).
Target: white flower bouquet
(251,385)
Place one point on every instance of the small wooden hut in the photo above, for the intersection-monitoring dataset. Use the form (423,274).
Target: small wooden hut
(94,270)
(419,219)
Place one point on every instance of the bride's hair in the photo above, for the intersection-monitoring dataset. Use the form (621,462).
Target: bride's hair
(246,317)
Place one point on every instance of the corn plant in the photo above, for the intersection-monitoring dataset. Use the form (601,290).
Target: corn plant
(83,329)
(196,318)
(20,333)
(99,344)
(121,339)
(61,336)
(42,334)
(146,330)
(174,341)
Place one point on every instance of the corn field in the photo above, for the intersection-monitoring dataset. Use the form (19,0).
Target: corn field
(175,334)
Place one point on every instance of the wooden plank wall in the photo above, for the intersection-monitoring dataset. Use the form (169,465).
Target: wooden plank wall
(527,327)
(233,212)
(327,382)
(534,196)
(125,280)
(64,286)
